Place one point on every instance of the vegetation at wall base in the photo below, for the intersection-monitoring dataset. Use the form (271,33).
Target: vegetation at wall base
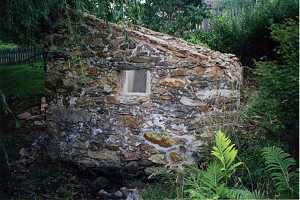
(220,180)
(277,100)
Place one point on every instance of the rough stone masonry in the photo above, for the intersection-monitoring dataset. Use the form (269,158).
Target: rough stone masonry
(94,122)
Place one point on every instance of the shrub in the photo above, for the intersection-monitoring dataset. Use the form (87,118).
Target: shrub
(213,183)
(279,164)
(276,104)
(216,181)
(243,28)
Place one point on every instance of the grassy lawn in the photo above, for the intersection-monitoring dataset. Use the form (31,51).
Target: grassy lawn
(6,45)
(22,80)
(23,85)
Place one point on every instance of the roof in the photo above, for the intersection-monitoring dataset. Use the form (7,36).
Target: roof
(202,55)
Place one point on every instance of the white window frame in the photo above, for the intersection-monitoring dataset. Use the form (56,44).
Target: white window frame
(126,82)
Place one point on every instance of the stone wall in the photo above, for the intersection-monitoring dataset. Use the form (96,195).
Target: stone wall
(93,124)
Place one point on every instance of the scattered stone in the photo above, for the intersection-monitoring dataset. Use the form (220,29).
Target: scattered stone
(132,166)
(33,117)
(199,71)
(149,171)
(112,99)
(162,141)
(175,157)
(214,71)
(92,71)
(158,159)
(100,183)
(130,121)
(122,194)
(133,195)
(165,97)
(203,108)
(124,191)
(24,116)
(38,123)
(104,155)
(189,102)
(128,156)
(179,72)
(44,105)
(172,82)
(104,194)
(118,194)
(23,152)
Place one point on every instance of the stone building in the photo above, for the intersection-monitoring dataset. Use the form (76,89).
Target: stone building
(125,97)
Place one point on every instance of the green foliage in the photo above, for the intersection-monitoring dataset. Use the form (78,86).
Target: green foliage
(203,184)
(243,27)
(22,20)
(226,153)
(22,80)
(276,103)
(5,45)
(279,164)
(212,183)
(26,21)
(5,111)
(159,191)
(4,108)
(250,142)
(177,17)
(216,182)
(244,194)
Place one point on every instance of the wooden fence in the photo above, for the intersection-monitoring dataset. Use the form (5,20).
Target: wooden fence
(20,55)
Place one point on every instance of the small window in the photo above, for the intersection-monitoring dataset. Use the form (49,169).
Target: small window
(137,82)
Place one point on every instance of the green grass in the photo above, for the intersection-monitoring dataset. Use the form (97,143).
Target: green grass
(22,80)
(5,45)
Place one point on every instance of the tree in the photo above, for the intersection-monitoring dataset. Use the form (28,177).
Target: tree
(177,17)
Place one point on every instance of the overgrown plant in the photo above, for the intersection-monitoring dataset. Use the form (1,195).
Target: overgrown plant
(280,166)
(276,104)
(242,27)
(213,183)
(216,182)
(6,111)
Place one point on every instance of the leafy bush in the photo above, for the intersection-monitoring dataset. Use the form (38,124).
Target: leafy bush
(213,183)
(276,104)
(216,181)
(159,191)
(243,27)
(279,164)
(27,21)
(178,17)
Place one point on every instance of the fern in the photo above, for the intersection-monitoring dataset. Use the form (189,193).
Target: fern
(243,194)
(226,153)
(212,183)
(205,184)
(279,165)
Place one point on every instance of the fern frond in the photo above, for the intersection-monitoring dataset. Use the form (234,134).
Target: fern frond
(204,184)
(279,164)
(243,194)
(225,152)
(212,176)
